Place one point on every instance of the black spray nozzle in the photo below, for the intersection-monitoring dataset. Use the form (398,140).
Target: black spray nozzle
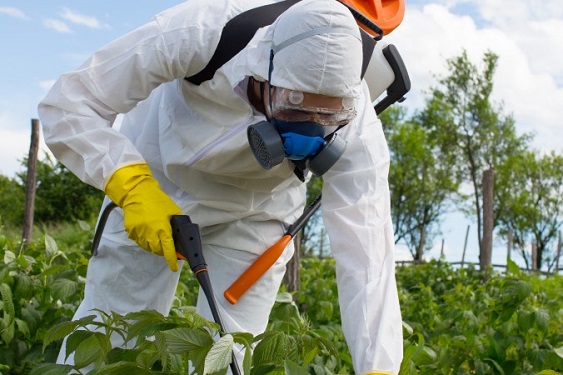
(187,241)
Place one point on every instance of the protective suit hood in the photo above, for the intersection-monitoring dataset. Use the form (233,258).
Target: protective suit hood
(328,62)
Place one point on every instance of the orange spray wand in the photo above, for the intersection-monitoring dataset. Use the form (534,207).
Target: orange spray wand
(268,257)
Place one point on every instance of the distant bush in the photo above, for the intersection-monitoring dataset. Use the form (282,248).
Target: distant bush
(60,196)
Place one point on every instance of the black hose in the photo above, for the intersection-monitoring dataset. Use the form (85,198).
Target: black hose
(100,228)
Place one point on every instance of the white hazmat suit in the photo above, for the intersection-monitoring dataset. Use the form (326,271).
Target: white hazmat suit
(194,139)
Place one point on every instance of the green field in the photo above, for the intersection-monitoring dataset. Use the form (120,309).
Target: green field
(456,321)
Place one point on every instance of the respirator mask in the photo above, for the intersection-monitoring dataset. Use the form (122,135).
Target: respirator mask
(302,126)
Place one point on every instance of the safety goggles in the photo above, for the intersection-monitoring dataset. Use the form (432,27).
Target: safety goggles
(297,106)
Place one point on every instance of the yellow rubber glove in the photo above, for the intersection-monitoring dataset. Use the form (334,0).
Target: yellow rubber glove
(146,209)
(377,373)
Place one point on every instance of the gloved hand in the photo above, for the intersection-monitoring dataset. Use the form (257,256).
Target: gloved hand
(146,209)
(376,373)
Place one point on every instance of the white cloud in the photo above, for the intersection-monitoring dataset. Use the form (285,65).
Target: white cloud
(13,12)
(80,19)
(57,25)
(529,75)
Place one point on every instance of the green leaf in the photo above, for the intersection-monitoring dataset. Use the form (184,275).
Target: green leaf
(61,330)
(407,329)
(8,332)
(50,369)
(87,352)
(124,368)
(247,361)
(23,287)
(9,257)
(542,319)
(7,300)
(425,356)
(310,355)
(22,327)
(51,247)
(284,297)
(64,288)
(74,339)
(273,348)
(182,340)
(84,225)
(219,356)
(494,364)
(548,372)
(23,261)
(327,345)
(294,369)
(147,323)
(525,320)
(512,267)
(559,351)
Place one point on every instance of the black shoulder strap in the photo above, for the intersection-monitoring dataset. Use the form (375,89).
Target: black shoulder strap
(237,33)
(239,30)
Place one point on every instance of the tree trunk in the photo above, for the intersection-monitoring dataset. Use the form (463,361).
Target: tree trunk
(291,278)
(485,255)
(421,243)
(30,183)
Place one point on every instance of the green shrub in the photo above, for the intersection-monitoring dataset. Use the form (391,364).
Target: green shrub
(456,321)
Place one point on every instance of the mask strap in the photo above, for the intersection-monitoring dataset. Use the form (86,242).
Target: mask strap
(323,30)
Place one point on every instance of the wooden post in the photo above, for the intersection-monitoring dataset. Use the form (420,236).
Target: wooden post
(465,246)
(321,243)
(558,253)
(442,250)
(292,278)
(31,183)
(485,257)
(534,256)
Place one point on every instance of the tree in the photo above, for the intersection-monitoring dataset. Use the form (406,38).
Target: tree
(60,195)
(12,198)
(422,178)
(533,203)
(472,129)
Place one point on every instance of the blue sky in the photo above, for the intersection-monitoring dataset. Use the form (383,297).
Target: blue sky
(43,39)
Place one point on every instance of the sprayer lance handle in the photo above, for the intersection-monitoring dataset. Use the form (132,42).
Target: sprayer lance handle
(187,242)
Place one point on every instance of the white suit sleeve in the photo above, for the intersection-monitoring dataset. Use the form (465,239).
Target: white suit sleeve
(356,212)
(78,112)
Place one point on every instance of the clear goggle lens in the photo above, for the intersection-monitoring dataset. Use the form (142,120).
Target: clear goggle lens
(296,106)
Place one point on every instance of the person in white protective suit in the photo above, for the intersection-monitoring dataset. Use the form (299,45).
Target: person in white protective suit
(184,148)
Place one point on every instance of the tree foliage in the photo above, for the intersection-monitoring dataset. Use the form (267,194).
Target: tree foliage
(471,128)
(533,202)
(420,178)
(11,200)
(60,195)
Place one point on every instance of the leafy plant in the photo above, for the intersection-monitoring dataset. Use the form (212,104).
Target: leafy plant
(456,321)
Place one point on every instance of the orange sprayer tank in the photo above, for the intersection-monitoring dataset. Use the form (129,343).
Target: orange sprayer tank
(387,14)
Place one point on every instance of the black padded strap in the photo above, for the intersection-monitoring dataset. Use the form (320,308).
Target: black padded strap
(368,45)
(240,30)
(237,33)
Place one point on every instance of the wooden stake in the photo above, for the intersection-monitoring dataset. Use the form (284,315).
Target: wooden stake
(31,183)
(487,241)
